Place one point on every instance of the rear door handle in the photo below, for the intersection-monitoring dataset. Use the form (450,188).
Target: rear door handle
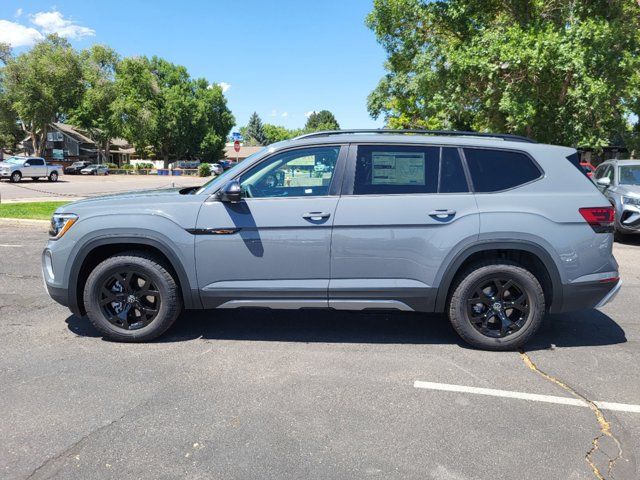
(442,213)
(316,216)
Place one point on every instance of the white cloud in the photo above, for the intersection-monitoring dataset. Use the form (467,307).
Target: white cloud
(309,113)
(18,13)
(54,22)
(224,86)
(285,114)
(18,35)
(273,113)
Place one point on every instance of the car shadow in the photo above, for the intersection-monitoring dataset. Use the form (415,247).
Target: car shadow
(583,328)
(629,240)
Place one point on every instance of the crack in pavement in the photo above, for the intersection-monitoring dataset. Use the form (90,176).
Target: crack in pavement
(69,450)
(603,424)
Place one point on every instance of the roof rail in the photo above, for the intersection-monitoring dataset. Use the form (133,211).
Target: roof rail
(443,133)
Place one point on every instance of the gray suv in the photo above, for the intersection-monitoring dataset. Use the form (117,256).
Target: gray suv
(619,180)
(493,230)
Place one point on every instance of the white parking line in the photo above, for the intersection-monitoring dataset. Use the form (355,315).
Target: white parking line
(620,407)
(6,245)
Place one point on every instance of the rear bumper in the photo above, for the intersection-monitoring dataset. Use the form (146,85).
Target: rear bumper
(586,295)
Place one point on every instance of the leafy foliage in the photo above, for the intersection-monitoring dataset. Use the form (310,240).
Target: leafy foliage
(254,133)
(277,133)
(42,85)
(94,113)
(204,170)
(559,71)
(158,104)
(322,120)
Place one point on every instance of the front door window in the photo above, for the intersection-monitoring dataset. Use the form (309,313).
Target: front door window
(300,173)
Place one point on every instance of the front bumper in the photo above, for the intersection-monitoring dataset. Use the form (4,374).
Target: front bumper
(628,220)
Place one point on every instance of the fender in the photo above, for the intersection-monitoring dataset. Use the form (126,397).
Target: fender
(190,295)
(452,267)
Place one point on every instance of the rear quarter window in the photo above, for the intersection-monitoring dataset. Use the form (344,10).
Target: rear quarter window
(496,170)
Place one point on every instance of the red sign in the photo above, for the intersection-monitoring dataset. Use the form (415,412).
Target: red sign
(236,146)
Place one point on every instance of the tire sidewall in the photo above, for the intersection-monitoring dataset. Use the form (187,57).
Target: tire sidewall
(166,314)
(53,177)
(458,306)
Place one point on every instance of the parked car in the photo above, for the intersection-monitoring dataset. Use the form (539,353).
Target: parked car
(17,168)
(76,167)
(493,230)
(227,164)
(588,168)
(619,180)
(95,169)
(216,169)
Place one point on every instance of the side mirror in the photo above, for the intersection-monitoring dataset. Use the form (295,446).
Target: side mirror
(231,192)
(604,182)
(27,164)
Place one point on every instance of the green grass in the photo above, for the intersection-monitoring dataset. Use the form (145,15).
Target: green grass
(30,210)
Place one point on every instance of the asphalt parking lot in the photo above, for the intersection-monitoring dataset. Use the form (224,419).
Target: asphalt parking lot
(71,187)
(311,394)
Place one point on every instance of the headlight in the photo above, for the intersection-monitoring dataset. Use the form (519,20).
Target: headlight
(631,201)
(60,223)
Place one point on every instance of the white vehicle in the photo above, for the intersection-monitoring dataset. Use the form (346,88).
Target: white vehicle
(95,169)
(17,168)
(217,169)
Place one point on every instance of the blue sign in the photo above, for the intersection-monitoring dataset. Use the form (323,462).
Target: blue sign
(236,136)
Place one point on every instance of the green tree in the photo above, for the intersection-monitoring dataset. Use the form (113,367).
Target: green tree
(322,120)
(42,86)
(95,113)
(254,133)
(277,133)
(159,105)
(9,127)
(558,71)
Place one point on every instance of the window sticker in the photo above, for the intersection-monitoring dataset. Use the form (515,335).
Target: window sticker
(397,168)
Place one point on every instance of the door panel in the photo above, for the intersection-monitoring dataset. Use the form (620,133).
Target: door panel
(390,248)
(392,230)
(273,247)
(267,250)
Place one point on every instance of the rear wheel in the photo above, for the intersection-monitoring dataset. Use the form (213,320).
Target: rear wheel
(132,297)
(53,177)
(497,306)
(15,177)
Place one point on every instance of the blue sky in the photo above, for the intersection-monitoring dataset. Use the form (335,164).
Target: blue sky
(280,58)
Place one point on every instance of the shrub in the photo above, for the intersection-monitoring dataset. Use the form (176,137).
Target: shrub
(127,166)
(112,166)
(204,170)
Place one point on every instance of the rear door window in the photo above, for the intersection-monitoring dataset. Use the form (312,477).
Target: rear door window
(497,170)
(392,169)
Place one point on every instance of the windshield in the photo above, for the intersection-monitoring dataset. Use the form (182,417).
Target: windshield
(228,173)
(630,175)
(16,160)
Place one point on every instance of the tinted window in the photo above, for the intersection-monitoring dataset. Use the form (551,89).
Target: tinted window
(495,170)
(452,177)
(393,169)
(299,173)
(36,162)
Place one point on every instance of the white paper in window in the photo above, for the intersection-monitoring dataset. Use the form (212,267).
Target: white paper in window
(398,168)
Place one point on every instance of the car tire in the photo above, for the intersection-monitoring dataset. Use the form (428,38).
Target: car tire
(119,312)
(496,305)
(53,177)
(15,177)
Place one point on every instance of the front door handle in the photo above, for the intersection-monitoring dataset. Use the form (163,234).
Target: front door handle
(316,216)
(442,214)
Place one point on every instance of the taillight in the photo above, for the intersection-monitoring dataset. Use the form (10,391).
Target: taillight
(599,218)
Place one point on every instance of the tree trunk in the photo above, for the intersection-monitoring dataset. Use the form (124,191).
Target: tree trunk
(106,150)
(43,141)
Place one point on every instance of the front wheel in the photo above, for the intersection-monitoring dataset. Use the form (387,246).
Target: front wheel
(53,177)
(132,297)
(15,177)
(497,306)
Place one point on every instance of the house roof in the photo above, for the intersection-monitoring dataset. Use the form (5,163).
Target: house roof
(244,152)
(73,132)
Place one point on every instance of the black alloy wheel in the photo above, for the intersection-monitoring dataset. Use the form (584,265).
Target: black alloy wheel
(498,307)
(129,300)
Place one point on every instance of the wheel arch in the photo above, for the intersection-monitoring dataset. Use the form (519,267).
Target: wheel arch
(529,254)
(95,251)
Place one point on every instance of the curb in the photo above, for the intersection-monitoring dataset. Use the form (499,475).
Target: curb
(24,221)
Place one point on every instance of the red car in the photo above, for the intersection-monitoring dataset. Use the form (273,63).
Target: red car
(588,168)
